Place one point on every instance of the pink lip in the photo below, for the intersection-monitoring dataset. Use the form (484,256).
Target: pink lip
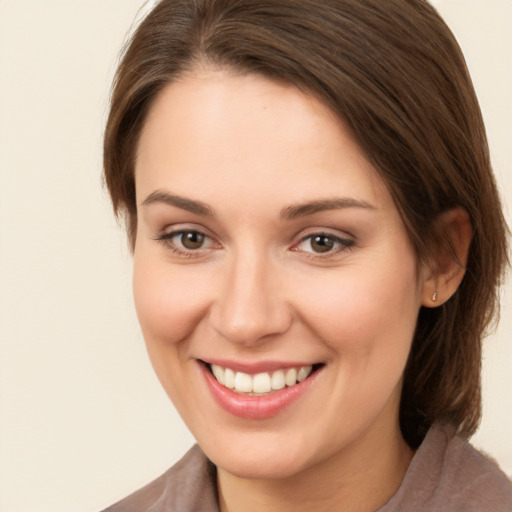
(255,407)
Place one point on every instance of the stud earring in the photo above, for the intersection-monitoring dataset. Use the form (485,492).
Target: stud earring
(434,296)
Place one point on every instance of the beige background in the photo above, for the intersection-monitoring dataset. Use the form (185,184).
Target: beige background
(83,421)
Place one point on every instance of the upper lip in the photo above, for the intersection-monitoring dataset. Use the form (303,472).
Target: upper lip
(254,368)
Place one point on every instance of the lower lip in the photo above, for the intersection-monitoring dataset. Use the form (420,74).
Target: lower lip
(256,407)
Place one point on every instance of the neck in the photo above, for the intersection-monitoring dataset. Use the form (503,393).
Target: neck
(362,477)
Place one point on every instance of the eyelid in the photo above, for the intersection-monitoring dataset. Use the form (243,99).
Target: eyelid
(172,229)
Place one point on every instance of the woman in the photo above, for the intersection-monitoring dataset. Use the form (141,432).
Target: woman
(318,243)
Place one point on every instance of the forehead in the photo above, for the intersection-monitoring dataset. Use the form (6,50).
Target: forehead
(218,131)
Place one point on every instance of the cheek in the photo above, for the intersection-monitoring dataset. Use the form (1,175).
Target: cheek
(169,301)
(366,310)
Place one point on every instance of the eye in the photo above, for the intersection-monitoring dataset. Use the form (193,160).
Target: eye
(186,241)
(323,243)
(191,240)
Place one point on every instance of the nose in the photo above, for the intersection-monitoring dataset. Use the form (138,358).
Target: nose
(250,306)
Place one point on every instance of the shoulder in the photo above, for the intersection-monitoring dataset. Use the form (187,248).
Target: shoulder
(188,486)
(448,475)
(475,479)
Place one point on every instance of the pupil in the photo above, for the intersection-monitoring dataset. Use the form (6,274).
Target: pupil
(192,240)
(322,243)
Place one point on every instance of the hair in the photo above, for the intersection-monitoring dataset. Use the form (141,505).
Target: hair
(394,74)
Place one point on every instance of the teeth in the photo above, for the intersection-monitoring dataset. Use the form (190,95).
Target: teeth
(243,382)
(291,377)
(278,381)
(303,373)
(260,383)
(229,378)
(219,374)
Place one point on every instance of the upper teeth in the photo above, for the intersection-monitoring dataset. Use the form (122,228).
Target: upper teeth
(261,382)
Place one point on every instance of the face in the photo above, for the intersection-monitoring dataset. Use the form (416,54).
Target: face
(275,284)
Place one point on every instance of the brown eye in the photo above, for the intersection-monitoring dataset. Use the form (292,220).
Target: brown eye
(192,240)
(322,243)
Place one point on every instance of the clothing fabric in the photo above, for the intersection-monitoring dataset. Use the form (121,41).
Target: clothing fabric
(445,475)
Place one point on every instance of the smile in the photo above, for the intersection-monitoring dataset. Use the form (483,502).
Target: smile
(258,395)
(261,383)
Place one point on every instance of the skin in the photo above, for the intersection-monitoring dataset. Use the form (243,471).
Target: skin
(249,151)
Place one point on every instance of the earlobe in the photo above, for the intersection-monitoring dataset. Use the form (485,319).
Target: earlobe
(449,259)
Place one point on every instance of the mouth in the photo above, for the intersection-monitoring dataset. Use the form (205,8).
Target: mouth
(262,383)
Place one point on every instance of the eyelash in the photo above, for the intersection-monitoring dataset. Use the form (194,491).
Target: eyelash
(342,244)
(167,240)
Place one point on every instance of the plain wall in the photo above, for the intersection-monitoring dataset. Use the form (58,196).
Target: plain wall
(83,420)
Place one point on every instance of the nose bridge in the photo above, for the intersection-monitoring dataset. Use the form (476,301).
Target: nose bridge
(249,306)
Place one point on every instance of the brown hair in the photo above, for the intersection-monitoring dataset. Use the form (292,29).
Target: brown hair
(394,73)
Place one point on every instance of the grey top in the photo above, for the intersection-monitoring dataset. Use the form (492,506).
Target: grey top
(446,475)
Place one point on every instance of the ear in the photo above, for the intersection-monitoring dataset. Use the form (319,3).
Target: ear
(450,257)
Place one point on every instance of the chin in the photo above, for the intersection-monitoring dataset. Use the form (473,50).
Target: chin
(259,455)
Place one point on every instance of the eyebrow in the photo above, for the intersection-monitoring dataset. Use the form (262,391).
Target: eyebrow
(190,205)
(310,208)
(288,213)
